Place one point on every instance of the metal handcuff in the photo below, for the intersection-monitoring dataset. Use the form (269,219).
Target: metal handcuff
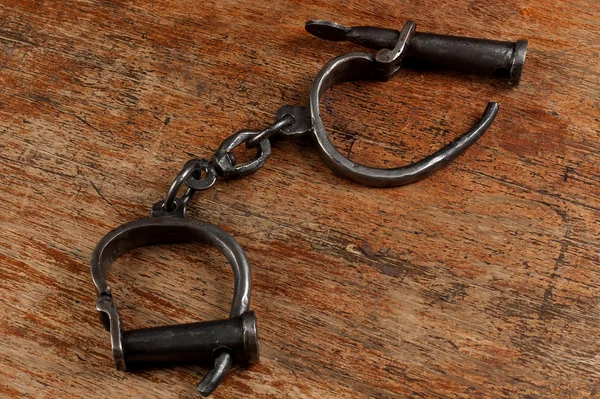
(235,339)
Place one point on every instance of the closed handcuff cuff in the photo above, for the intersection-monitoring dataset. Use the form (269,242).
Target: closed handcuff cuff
(235,339)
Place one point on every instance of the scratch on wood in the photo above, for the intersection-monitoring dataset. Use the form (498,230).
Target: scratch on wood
(85,122)
(100,194)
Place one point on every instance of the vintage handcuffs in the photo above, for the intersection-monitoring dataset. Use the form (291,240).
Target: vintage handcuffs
(235,339)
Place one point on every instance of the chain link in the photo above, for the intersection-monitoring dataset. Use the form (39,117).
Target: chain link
(191,176)
(275,128)
(169,204)
(226,164)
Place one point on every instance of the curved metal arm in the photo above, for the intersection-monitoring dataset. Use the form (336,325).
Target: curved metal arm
(360,66)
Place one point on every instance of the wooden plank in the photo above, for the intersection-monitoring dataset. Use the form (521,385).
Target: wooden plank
(480,281)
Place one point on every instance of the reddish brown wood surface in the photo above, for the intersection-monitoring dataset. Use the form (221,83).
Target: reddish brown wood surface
(480,281)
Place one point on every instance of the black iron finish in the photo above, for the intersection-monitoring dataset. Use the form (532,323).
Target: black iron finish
(192,343)
(221,341)
(356,66)
(235,338)
(482,56)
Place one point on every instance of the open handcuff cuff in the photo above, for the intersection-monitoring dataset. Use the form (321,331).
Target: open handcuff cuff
(235,339)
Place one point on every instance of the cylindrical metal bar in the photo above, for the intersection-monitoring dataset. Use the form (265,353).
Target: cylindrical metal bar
(485,57)
(502,59)
(193,342)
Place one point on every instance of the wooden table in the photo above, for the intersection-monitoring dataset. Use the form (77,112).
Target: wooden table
(480,281)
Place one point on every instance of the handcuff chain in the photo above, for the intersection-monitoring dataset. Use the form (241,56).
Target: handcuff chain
(223,163)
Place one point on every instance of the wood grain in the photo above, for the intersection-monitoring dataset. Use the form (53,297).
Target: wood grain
(481,281)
